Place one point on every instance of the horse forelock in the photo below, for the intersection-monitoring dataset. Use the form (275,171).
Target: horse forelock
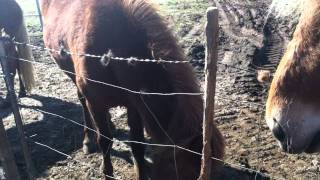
(307,33)
(146,15)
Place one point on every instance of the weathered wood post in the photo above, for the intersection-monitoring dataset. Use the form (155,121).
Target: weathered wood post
(39,13)
(7,158)
(212,32)
(14,104)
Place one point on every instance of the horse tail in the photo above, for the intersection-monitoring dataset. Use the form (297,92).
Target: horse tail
(25,52)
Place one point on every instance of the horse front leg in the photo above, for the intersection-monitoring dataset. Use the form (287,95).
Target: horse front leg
(104,138)
(88,143)
(138,150)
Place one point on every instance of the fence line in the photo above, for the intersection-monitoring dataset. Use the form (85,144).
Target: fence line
(135,92)
(137,142)
(66,155)
(123,88)
(108,58)
(112,85)
(129,59)
(143,143)
(105,56)
(151,144)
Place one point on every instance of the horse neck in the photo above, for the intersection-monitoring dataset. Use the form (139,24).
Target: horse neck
(187,120)
(307,31)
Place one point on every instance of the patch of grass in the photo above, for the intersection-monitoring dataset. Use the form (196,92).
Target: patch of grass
(185,16)
(184,12)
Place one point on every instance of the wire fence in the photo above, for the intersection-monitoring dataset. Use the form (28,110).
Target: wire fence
(105,57)
(110,58)
(66,155)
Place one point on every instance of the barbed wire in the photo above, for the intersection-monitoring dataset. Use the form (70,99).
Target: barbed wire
(112,85)
(130,59)
(122,88)
(145,143)
(135,92)
(137,142)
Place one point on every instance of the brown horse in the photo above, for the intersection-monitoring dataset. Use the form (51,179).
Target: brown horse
(131,28)
(11,21)
(293,106)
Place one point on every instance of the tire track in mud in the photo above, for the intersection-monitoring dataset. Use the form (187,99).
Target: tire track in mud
(240,114)
(238,18)
(268,56)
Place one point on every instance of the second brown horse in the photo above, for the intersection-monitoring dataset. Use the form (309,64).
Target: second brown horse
(131,28)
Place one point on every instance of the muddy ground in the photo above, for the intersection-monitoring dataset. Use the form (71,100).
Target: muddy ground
(248,41)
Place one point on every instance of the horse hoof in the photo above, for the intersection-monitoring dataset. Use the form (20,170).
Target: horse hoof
(89,148)
(85,149)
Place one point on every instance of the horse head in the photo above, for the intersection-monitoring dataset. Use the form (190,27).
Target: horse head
(293,105)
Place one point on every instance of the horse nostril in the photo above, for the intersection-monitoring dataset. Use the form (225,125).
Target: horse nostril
(278,131)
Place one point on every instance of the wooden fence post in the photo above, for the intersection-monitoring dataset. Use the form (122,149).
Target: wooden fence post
(212,32)
(39,13)
(14,105)
(7,158)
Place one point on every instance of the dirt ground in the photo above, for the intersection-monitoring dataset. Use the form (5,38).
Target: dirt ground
(248,41)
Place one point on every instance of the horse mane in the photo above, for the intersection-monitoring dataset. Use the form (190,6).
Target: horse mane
(163,45)
(143,13)
(301,57)
(307,32)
